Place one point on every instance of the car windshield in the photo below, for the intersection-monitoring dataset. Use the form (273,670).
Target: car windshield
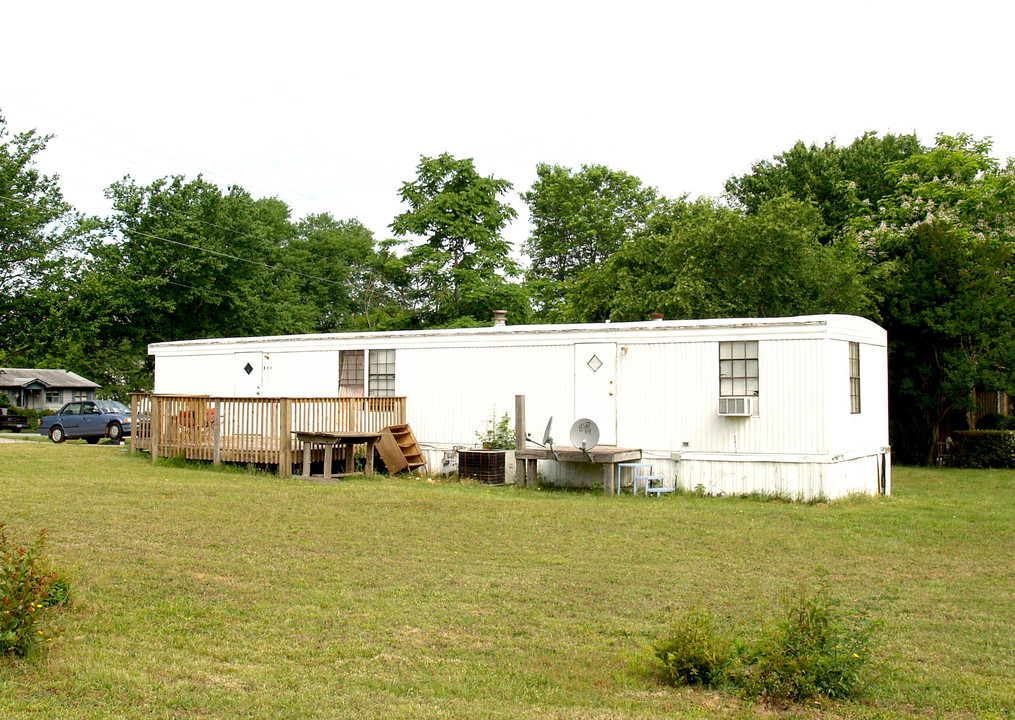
(112,406)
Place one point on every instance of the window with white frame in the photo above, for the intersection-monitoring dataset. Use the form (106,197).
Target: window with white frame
(52,396)
(738,368)
(79,395)
(854,378)
(350,373)
(382,373)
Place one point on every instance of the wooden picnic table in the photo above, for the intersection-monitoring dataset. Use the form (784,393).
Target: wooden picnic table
(346,441)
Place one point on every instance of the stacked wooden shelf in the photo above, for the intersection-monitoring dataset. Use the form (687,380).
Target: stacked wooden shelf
(399,450)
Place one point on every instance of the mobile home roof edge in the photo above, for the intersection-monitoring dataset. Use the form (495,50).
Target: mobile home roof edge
(651,326)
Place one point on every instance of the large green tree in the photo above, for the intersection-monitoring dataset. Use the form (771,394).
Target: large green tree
(838,180)
(205,258)
(35,223)
(458,262)
(340,279)
(176,260)
(30,205)
(709,260)
(941,247)
(579,220)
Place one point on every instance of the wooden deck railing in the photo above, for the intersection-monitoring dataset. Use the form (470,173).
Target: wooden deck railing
(249,430)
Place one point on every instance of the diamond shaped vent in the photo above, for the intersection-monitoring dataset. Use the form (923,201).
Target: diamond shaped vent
(248,368)
(595,363)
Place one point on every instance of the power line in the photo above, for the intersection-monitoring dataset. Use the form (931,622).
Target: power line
(234,257)
(210,251)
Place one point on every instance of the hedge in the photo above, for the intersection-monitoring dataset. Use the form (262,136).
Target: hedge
(984,449)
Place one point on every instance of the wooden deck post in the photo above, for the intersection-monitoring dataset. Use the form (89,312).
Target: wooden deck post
(156,427)
(216,434)
(610,478)
(285,439)
(135,426)
(520,439)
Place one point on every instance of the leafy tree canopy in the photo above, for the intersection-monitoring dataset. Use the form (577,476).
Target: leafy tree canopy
(579,219)
(717,261)
(942,246)
(838,180)
(458,216)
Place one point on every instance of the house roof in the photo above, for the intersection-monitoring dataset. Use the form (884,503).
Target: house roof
(23,377)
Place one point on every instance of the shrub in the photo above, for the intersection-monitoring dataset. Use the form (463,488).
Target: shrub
(984,449)
(813,648)
(499,435)
(26,590)
(695,651)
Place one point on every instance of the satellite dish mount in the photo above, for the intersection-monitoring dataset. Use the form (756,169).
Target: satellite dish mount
(547,440)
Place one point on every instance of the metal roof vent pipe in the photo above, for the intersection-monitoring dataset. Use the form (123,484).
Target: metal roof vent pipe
(499,318)
(657,317)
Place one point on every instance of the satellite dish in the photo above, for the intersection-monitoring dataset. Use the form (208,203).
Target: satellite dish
(546,433)
(584,434)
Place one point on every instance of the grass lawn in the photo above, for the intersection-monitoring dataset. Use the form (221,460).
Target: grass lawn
(231,594)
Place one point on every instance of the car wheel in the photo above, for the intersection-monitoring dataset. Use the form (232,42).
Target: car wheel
(92,440)
(115,433)
(56,434)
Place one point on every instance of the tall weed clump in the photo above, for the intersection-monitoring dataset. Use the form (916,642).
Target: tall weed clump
(813,647)
(695,651)
(28,587)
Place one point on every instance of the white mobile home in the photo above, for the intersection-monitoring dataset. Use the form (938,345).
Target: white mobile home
(795,406)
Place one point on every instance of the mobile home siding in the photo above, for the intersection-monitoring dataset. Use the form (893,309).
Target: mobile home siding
(454,394)
(669,393)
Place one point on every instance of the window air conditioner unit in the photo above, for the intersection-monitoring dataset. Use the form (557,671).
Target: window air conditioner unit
(737,406)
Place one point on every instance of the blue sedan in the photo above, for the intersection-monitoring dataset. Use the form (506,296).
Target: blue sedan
(88,419)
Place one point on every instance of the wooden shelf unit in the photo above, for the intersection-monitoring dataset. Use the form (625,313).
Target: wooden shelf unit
(399,450)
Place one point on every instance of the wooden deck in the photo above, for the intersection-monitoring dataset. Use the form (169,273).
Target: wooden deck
(605,455)
(251,430)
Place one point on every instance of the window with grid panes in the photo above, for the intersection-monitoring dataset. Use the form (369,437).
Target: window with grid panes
(382,373)
(350,373)
(854,378)
(738,368)
(52,396)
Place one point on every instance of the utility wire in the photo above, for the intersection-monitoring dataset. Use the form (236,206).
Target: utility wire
(215,252)
(234,257)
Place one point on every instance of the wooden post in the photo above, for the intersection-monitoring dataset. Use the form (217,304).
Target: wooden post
(520,439)
(609,478)
(285,439)
(216,434)
(135,426)
(329,448)
(156,427)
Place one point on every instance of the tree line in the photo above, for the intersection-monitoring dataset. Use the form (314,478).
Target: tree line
(917,238)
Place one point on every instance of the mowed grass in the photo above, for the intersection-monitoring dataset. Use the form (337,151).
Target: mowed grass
(215,594)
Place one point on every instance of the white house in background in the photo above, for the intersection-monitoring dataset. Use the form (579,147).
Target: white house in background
(41,389)
(797,406)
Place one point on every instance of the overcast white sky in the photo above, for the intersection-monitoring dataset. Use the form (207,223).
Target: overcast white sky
(329,106)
